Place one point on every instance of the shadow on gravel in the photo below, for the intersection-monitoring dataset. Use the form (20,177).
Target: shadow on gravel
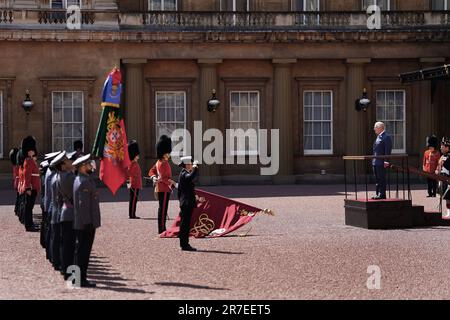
(220,252)
(188,285)
(107,278)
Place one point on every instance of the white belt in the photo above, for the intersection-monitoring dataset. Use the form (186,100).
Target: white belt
(35,174)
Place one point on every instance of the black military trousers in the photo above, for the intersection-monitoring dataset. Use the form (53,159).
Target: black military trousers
(134,197)
(48,236)
(68,239)
(185,224)
(83,248)
(17,205)
(29,205)
(43,228)
(55,244)
(163,198)
(21,208)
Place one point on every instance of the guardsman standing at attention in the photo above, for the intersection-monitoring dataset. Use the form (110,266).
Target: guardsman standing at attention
(430,162)
(86,215)
(134,178)
(56,164)
(32,184)
(186,195)
(66,177)
(444,170)
(20,186)
(161,174)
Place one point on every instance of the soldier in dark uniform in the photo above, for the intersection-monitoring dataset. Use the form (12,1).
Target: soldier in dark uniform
(86,215)
(56,208)
(444,170)
(48,204)
(186,195)
(31,183)
(64,182)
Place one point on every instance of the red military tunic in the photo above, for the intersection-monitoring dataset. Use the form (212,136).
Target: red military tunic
(430,160)
(162,170)
(21,179)
(134,175)
(31,176)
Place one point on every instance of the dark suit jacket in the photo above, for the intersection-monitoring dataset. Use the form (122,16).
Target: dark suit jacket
(381,147)
(186,188)
(86,203)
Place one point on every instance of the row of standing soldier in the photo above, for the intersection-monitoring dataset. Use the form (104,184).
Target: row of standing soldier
(69,203)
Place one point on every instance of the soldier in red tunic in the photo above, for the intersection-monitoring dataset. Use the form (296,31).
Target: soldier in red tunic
(430,162)
(161,174)
(134,178)
(31,181)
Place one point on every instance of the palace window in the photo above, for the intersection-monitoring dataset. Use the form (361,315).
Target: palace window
(440,5)
(318,122)
(244,114)
(170,112)
(64,4)
(67,119)
(162,5)
(385,5)
(235,5)
(305,5)
(391,111)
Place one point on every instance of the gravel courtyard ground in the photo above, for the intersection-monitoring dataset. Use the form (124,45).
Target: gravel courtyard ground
(304,252)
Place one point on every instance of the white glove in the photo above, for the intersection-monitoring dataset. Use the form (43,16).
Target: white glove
(195,163)
(128,185)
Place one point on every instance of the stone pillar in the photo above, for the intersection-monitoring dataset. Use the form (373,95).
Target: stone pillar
(209,174)
(134,101)
(428,113)
(356,125)
(282,118)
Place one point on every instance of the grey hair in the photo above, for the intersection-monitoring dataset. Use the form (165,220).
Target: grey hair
(380,124)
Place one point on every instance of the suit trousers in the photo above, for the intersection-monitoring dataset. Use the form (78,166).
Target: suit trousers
(55,244)
(380,178)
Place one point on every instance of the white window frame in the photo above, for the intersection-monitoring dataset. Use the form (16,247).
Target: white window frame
(375,2)
(234,5)
(82,114)
(162,5)
(395,151)
(304,6)
(177,154)
(445,5)
(318,151)
(1,124)
(64,2)
(247,152)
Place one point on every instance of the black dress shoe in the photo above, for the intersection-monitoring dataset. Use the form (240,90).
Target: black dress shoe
(378,198)
(188,248)
(88,284)
(32,229)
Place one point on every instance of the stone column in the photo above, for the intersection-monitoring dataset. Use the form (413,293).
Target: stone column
(428,113)
(356,125)
(282,118)
(210,174)
(134,101)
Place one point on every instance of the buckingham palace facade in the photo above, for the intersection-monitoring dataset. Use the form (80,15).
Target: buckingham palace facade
(292,65)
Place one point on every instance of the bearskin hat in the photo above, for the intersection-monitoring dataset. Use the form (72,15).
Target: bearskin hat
(78,145)
(20,158)
(13,156)
(163,146)
(432,141)
(133,149)
(28,144)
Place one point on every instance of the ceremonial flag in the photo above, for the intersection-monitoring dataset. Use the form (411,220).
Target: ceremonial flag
(111,144)
(215,216)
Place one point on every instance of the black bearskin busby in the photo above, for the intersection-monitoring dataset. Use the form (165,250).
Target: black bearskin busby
(133,149)
(78,145)
(13,156)
(432,141)
(20,158)
(28,144)
(163,146)
(446,141)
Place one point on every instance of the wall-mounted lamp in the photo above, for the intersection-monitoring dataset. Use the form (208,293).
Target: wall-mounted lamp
(213,103)
(27,104)
(362,103)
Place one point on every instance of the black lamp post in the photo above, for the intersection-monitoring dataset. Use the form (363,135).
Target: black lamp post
(213,103)
(363,103)
(27,104)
